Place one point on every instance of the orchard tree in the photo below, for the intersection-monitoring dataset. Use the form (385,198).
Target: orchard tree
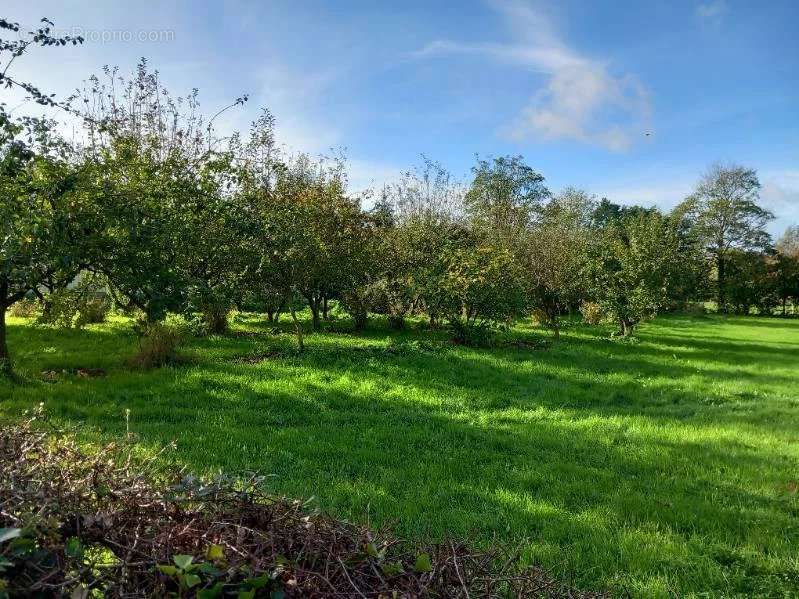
(786,266)
(328,227)
(554,256)
(41,224)
(753,282)
(421,212)
(158,179)
(39,217)
(257,167)
(631,267)
(726,217)
(482,287)
(358,295)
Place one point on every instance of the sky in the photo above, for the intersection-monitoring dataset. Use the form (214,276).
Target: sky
(574,87)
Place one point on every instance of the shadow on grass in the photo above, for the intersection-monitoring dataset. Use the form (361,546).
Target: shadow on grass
(622,466)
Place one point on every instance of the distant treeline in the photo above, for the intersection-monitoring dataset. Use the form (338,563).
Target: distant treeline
(171,217)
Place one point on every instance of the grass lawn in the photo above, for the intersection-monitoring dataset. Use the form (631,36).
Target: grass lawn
(670,465)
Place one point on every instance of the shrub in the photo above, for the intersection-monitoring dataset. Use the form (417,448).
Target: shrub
(158,345)
(92,311)
(694,309)
(215,318)
(479,334)
(592,312)
(75,307)
(60,309)
(481,290)
(26,308)
(538,317)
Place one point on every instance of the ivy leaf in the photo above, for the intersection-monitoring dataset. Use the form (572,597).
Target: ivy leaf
(167,569)
(213,593)
(6,534)
(215,553)
(392,569)
(182,561)
(191,580)
(372,551)
(423,563)
(258,582)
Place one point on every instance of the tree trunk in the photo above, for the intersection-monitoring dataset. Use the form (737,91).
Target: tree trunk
(722,308)
(270,316)
(555,329)
(325,306)
(315,304)
(626,327)
(5,358)
(315,321)
(216,321)
(360,319)
(298,330)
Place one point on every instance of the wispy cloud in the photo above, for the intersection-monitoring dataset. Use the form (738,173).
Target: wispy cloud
(780,194)
(296,100)
(711,10)
(582,99)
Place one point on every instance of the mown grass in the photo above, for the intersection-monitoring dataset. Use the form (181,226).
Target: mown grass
(663,466)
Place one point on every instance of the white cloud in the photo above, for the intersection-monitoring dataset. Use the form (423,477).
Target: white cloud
(711,10)
(294,99)
(664,194)
(582,99)
(780,194)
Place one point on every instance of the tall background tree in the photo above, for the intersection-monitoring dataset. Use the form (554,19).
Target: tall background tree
(726,217)
(786,264)
(504,198)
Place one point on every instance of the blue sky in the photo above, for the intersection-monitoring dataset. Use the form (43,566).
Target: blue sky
(572,86)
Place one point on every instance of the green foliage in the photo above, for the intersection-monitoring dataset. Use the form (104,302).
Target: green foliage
(39,215)
(785,266)
(480,289)
(631,267)
(76,306)
(725,217)
(168,233)
(752,282)
(423,563)
(554,254)
(504,196)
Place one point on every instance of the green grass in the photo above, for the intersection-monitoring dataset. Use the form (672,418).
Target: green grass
(669,465)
